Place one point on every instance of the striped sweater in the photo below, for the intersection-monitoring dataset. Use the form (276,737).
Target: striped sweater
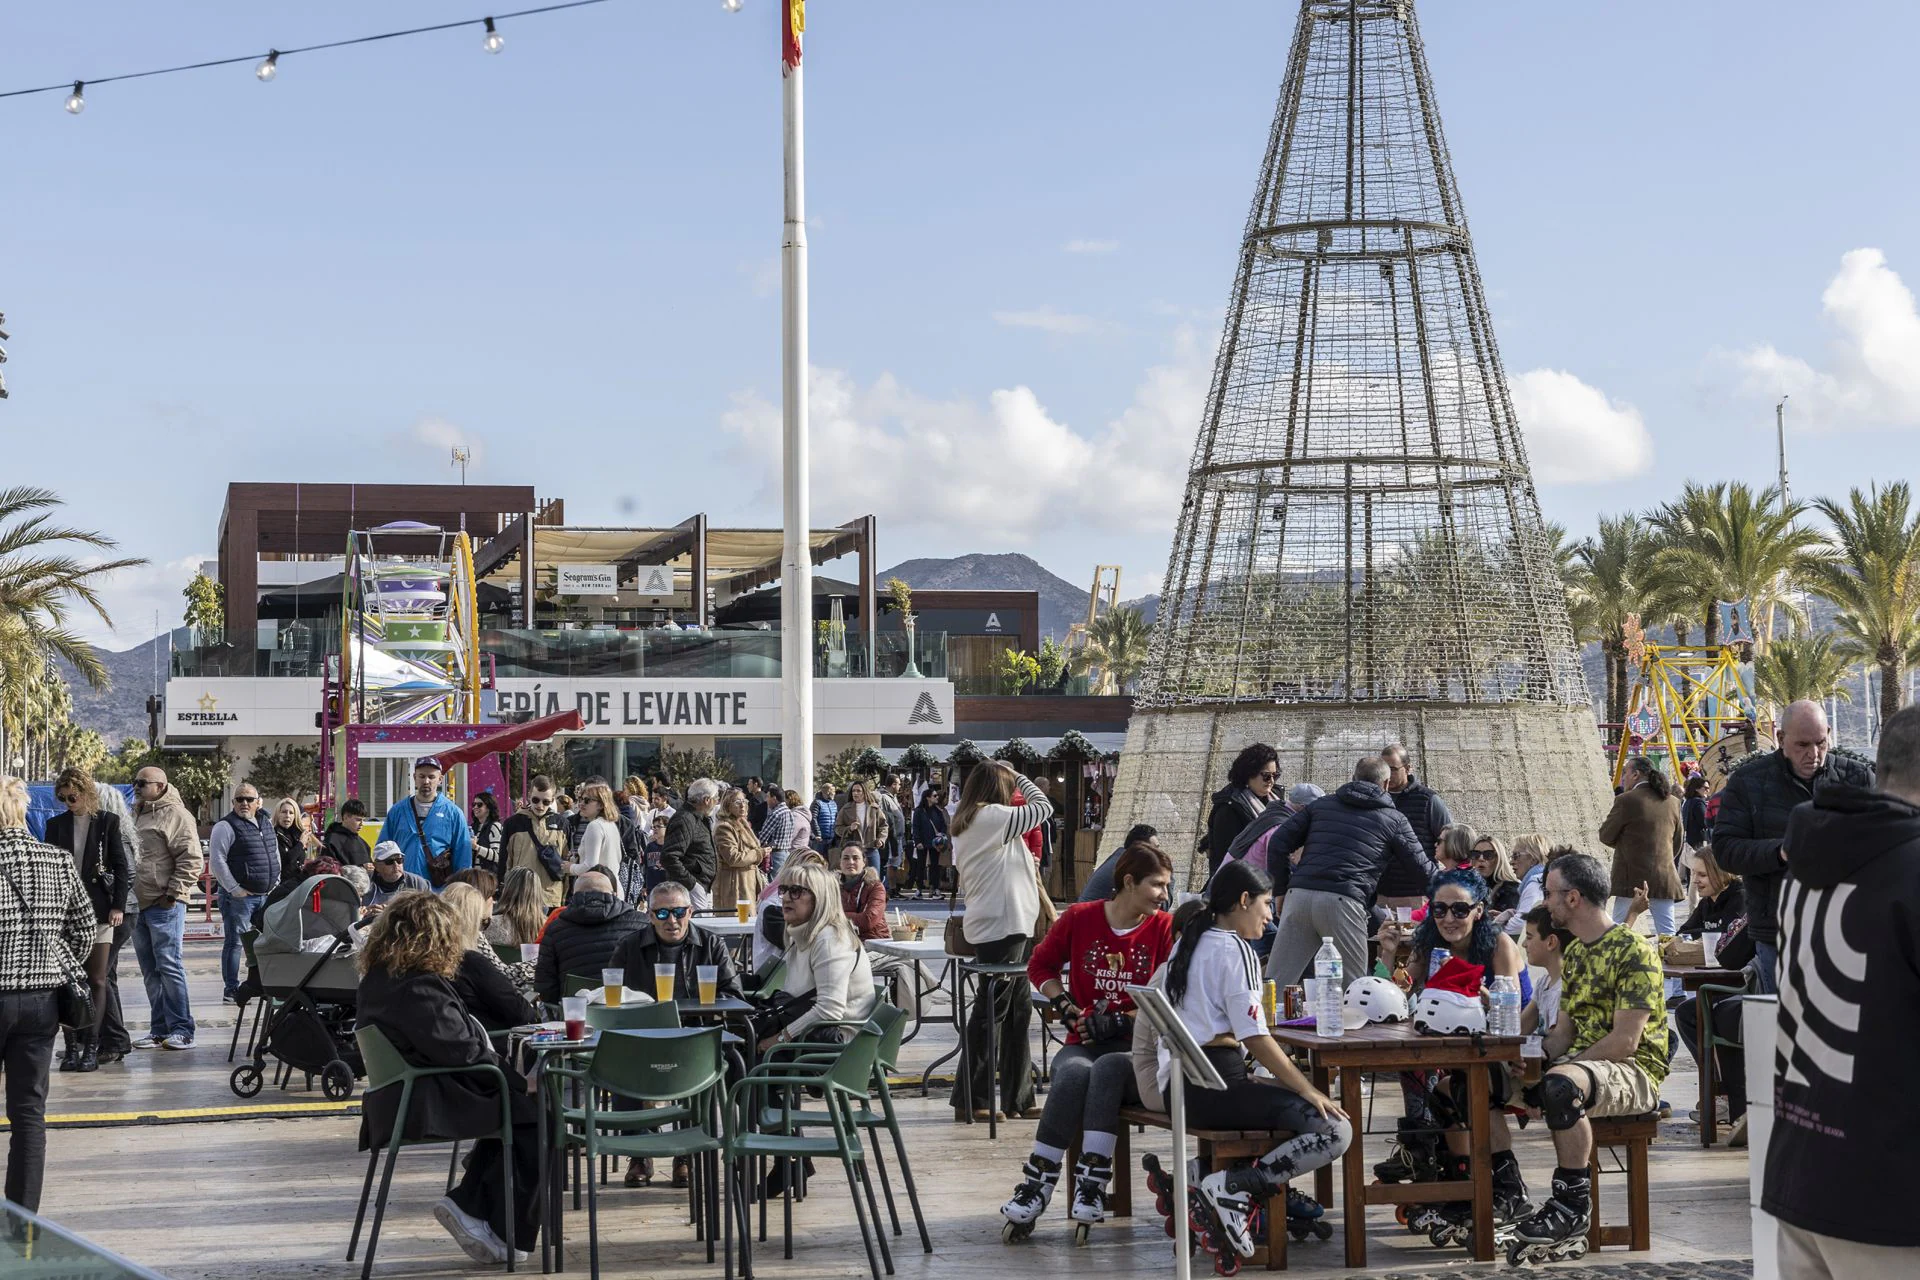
(46,920)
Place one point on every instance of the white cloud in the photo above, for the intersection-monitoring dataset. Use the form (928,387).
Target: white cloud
(1092,246)
(1574,433)
(1872,373)
(1007,467)
(1046,319)
(134,597)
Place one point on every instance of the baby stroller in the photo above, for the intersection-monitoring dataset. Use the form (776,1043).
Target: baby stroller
(307,973)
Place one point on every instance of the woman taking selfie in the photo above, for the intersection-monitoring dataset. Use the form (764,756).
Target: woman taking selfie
(1213,980)
(1103,948)
(1002,889)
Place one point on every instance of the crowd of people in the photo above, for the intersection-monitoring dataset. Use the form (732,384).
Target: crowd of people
(1802,868)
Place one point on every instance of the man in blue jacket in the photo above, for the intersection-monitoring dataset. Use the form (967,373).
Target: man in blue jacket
(430,828)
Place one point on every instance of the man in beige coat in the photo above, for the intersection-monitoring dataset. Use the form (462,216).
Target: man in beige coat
(167,864)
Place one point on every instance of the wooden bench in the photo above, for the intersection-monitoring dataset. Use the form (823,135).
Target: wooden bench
(1219,1149)
(1634,1133)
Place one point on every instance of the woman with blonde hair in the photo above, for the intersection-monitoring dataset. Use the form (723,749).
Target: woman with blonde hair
(634,801)
(599,835)
(738,851)
(483,982)
(1490,860)
(296,841)
(408,967)
(1529,855)
(998,878)
(824,959)
(92,836)
(520,912)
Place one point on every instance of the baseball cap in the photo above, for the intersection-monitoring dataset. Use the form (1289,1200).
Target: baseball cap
(388,851)
(1303,793)
(428,762)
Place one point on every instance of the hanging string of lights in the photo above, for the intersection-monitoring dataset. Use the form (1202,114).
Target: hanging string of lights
(269,67)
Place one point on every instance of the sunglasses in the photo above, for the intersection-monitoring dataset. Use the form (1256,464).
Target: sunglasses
(68,798)
(1458,910)
(1271,775)
(794,891)
(246,799)
(539,803)
(671,913)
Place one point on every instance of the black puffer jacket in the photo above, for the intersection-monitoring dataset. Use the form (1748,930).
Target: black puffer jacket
(1346,839)
(1233,809)
(688,858)
(1754,807)
(582,939)
(1427,814)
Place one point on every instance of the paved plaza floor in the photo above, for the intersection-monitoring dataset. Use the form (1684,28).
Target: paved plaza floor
(255,1198)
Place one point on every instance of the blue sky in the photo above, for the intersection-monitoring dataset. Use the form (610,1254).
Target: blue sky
(1024,225)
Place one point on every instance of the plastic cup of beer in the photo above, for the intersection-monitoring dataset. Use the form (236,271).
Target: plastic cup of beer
(743,909)
(574,1010)
(1533,1047)
(1709,949)
(663,976)
(530,952)
(613,983)
(709,977)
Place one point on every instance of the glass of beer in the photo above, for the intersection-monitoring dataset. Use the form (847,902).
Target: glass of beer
(574,1010)
(663,976)
(709,976)
(612,982)
(743,909)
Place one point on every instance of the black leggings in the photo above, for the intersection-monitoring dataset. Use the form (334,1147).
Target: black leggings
(1247,1103)
(1091,1082)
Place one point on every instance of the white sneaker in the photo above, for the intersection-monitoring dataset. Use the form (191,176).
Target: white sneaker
(177,1041)
(519,1255)
(475,1238)
(148,1041)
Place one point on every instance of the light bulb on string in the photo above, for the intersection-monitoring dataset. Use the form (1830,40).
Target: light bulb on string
(77,101)
(270,68)
(494,42)
(731,6)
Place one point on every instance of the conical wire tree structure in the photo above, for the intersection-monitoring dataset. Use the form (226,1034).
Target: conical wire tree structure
(1360,556)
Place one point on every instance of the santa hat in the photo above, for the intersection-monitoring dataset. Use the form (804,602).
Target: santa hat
(1459,976)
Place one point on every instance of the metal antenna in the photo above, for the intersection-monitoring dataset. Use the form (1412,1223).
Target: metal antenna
(1780,432)
(461,456)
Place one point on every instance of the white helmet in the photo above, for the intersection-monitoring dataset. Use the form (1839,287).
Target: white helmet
(1372,999)
(1448,1013)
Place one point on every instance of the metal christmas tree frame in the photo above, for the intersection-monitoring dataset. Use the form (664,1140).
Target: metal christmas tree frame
(1360,544)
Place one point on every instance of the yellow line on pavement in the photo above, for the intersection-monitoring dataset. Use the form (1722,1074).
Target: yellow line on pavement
(84,1118)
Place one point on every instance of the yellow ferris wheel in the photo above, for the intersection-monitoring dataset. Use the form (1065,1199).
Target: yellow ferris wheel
(1684,699)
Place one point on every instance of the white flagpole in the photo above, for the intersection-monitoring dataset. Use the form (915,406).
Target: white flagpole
(796,564)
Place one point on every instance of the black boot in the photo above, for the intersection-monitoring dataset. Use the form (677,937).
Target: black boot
(89,1059)
(70,1060)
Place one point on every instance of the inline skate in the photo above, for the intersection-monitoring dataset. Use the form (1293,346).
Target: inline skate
(1090,1179)
(1039,1176)
(1557,1231)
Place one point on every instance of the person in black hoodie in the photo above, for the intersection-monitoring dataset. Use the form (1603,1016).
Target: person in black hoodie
(1345,839)
(1247,795)
(583,937)
(1425,812)
(342,837)
(1753,813)
(1845,1107)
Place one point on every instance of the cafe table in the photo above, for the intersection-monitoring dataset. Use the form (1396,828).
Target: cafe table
(928,951)
(1691,978)
(737,933)
(1390,1048)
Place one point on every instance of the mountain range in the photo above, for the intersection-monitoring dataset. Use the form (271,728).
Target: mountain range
(1061,603)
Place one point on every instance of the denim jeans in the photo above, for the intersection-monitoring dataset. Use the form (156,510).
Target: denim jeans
(157,937)
(236,917)
(1661,909)
(1766,958)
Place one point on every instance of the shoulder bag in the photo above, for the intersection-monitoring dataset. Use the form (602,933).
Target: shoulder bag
(74,996)
(439,865)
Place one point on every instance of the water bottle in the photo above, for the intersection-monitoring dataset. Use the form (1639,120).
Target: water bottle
(1503,1007)
(1329,1013)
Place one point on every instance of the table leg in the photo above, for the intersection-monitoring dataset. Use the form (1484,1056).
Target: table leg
(1323,1176)
(540,1187)
(1353,1195)
(990,992)
(1702,1057)
(1478,1103)
(957,1017)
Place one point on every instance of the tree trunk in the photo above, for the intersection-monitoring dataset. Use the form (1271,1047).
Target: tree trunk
(1680,630)
(1710,624)
(1890,682)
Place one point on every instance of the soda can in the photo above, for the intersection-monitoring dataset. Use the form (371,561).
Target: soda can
(1268,996)
(1296,1002)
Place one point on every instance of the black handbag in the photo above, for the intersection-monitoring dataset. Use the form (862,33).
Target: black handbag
(74,996)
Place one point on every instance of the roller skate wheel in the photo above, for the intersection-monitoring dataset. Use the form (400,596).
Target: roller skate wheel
(1400,1214)
(1578,1248)
(1015,1232)
(1227,1264)
(1323,1229)
(1440,1236)
(1081,1233)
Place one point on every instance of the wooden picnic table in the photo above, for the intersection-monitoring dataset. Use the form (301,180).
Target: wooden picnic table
(1691,978)
(1394,1047)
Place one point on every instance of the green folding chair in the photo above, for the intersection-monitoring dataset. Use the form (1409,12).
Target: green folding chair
(1704,998)
(682,1068)
(574,983)
(630,1017)
(775,979)
(507,951)
(842,1073)
(385,1067)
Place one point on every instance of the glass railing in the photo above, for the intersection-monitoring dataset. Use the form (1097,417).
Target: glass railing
(289,648)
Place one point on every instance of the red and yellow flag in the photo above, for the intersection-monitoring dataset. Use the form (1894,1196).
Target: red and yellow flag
(790,35)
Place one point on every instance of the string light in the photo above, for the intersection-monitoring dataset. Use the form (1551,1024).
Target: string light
(493,42)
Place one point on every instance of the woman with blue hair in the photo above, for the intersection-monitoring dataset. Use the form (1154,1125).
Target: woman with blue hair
(1459,925)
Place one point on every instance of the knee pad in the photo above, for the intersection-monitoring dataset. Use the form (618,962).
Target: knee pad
(1562,1102)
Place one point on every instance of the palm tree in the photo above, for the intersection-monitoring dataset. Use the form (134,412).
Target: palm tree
(1684,525)
(1564,556)
(1619,584)
(1117,645)
(1874,580)
(44,576)
(1801,665)
(1749,548)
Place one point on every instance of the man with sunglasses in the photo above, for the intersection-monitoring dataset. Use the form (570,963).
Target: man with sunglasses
(536,838)
(244,856)
(166,867)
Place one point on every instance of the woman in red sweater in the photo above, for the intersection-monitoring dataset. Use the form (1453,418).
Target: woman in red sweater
(862,896)
(1085,964)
